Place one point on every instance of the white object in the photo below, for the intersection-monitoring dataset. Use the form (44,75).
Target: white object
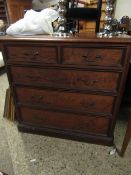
(42,4)
(34,23)
(33,160)
(1,60)
(113,151)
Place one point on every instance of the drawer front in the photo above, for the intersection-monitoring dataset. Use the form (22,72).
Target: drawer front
(65,100)
(93,56)
(32,54)
(64,121)
(84,80)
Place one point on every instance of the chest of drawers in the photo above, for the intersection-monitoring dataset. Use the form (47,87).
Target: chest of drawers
(67,87)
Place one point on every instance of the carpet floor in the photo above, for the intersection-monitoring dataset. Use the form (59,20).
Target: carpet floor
(30,154)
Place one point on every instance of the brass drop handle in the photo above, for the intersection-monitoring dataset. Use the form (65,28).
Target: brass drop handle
(37,98)
(36,53)
(32,77)
(98,57)
(38,118)
(26,54)
(89,83)
(87,104)
(87,59)
(86,82)
(34,56)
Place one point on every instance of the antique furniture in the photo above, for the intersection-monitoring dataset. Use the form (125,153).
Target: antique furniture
(3,11)
(67,87)
(16,9)
(4,18)
(127,136)
(126,113)
(92,12)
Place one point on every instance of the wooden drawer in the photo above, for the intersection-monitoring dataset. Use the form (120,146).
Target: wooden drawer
(64,121)
(92,56)
(71,79)
(32,54)
(65,100)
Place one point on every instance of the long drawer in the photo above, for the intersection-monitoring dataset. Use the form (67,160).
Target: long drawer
(63,121)
(93,56)
(71,79)
(32,54)
(65,100)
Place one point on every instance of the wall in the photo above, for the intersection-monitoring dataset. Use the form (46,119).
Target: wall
(123,8)
(41,4)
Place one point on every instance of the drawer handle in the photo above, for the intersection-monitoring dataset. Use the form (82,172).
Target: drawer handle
(87,104)
(34,56)
(26,54)
(87,59)
(38,118)
(86,82)
(37,98)
(41,118)
(34,78)
(36,53)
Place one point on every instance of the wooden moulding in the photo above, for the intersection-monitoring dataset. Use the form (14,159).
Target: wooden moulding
(9,108)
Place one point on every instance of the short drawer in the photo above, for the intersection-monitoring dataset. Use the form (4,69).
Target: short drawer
(71,79)
(92,56)
(64,121)
(62,100)
(32,54)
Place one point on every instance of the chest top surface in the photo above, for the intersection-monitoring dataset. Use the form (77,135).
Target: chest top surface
(90,37)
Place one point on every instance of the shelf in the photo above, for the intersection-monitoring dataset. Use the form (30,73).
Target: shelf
(3,13)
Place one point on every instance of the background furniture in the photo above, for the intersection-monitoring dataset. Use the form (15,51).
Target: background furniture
(69,88)
(126,112)
(16,9)
(127,136)
(85,26)
(89,26)
(3,11)
(85,13)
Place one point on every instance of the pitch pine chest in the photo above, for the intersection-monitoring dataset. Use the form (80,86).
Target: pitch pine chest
(67,87)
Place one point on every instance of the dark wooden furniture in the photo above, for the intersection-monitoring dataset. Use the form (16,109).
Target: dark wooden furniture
(3,11)
(67,87)
(126,112)
(16,9)
(85,13)
(127,137)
